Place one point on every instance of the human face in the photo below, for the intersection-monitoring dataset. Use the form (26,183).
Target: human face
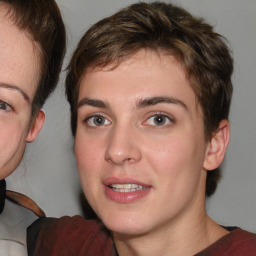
(140,144)
(19,76)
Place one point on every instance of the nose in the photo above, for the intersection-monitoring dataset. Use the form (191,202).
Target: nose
(122,146)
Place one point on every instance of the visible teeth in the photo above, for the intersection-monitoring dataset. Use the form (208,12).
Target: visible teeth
(126,187)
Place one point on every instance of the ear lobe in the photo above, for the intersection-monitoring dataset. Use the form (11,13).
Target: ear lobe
(217,147)
(36,126)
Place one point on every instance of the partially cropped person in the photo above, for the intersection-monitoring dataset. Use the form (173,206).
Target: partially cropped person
(150,91)
(32,45)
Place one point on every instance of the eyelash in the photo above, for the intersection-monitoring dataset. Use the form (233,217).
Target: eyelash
(166,118)
(5,106)
(102,119)
(93,117)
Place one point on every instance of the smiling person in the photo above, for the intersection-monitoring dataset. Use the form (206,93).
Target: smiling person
(32,45)
(150,90)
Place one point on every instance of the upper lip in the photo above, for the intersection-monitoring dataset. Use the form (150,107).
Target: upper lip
(115,180)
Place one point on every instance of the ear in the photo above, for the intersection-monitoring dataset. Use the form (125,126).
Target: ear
(216,148)
(36,126)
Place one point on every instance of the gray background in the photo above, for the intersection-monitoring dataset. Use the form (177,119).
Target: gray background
(48,171)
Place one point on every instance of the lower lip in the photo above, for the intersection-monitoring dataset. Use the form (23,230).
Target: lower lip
(125,197)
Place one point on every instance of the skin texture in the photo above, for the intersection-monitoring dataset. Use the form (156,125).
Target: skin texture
(19,76)
(118,140)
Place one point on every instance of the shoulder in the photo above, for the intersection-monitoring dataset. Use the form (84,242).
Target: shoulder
(14,221)
(68,236)
(244,241)
(237,243)
(64,223)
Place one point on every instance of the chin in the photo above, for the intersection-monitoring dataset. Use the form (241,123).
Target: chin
(125,224)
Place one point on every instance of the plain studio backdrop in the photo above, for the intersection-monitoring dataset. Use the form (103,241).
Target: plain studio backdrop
(48,171)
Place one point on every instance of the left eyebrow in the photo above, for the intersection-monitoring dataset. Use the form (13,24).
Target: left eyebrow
(156,100)
(92,102)
(15,88)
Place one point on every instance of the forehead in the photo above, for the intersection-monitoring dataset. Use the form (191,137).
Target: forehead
(146,72)
(19,56)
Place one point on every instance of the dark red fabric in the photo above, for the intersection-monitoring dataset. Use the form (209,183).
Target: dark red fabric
(237,243)
(69,236)
(74,236)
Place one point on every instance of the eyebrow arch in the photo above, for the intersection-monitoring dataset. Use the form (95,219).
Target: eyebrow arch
(156,100)
(15,88)
(92,103)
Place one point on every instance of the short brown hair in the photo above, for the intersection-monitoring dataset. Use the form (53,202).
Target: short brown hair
(161,27)
(42,20)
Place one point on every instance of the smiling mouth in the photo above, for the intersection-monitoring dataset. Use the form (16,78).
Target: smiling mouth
(126,188)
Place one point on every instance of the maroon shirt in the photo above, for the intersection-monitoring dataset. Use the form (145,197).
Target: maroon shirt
(74,236)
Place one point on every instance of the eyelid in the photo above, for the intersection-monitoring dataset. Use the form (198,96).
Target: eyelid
(152,115)
(88,117)
(8,105)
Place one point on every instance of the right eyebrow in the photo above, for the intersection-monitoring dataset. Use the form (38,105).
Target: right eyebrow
(93,103)
(15,88)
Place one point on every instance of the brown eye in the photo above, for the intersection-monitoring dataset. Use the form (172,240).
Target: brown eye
(159,120)
(96,121)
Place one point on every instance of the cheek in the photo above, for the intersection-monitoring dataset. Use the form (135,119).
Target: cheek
(12,147)
(88,156)
(167,155)
(176,160)
(89,163)
(11,136)
(177,168)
